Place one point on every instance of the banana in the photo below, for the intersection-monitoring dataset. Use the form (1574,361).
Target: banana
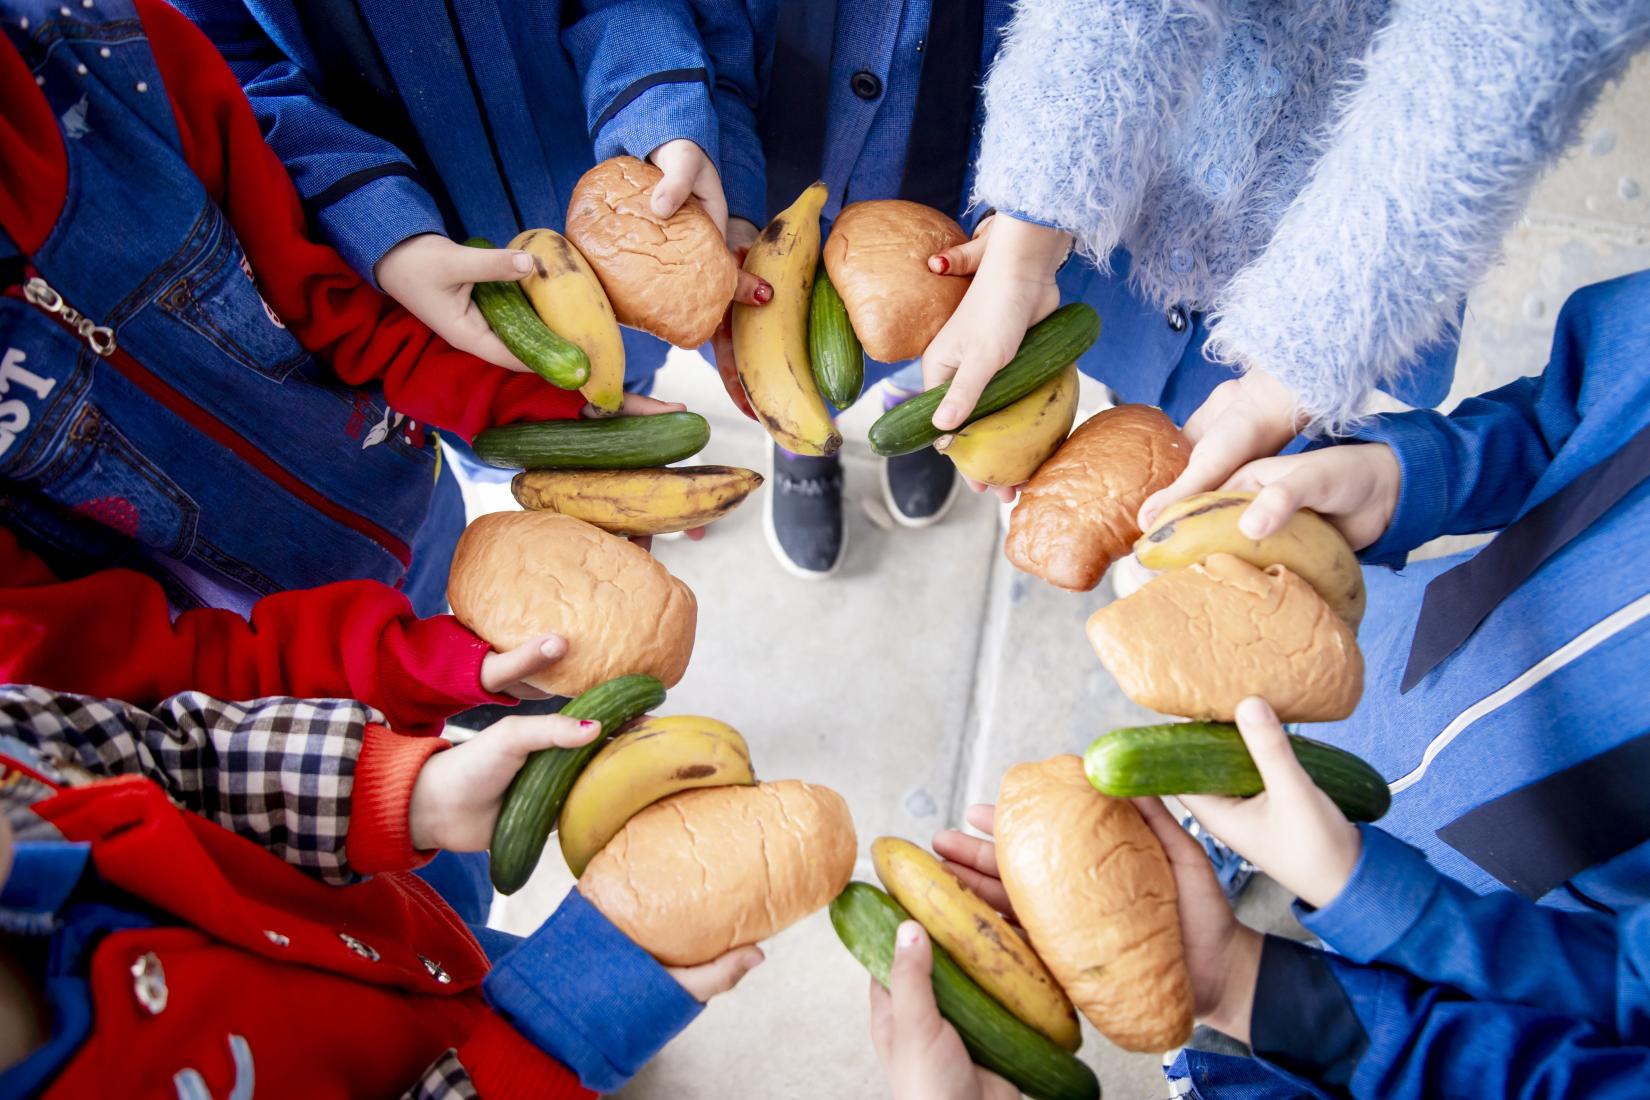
(1308,546)
(652,501)
(770,343)
(977,937)
(648,762)
(569,298)
(1006,447)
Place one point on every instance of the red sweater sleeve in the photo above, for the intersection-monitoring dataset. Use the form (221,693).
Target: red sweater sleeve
(111,634)
(327,306)
(380,820)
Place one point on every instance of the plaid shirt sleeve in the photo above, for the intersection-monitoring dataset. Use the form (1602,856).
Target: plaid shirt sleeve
(446,1079)
(278,771)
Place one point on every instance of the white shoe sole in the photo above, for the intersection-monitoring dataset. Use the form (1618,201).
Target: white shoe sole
(926,521)
(770,532)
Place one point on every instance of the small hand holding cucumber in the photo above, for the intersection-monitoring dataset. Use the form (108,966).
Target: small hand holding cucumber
(922,1055)
(432,276)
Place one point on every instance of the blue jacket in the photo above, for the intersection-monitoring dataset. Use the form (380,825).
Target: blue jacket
(1439,991)
(400,117)
(702,71)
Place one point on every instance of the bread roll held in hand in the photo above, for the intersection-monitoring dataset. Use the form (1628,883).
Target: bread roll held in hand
(705,871)
(1093,890)
(1199,640)
(1077,513)
(673,277)
(517,575)
(877,257)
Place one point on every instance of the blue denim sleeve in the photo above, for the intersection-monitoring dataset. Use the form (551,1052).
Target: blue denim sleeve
(589,997)
(361,191)
(645,76)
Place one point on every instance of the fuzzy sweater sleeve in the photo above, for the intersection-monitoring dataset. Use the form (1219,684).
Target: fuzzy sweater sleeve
(1460,109)
(1077,105)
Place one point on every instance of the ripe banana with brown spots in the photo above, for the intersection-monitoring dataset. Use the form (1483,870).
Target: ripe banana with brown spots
(569,299)
(653,501)
(1006,447)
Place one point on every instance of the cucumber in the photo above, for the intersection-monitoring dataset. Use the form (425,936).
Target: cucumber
(513,320)
(838,357)
(1210,758)
(536,794)
(866,919)
(1052,345)
(616,443)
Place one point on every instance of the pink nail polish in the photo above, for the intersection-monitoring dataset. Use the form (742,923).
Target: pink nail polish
(589,724)
(942,264)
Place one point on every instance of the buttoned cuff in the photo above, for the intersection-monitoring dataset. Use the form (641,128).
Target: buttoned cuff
(380,825)
(368,220)
(1390,887)
(1423,487)
(582,992)
(646,115)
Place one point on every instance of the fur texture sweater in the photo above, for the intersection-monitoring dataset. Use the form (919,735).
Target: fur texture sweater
(1327,178)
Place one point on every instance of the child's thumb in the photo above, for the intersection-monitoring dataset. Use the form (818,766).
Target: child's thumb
(910,981)
(959,259)
(490,265)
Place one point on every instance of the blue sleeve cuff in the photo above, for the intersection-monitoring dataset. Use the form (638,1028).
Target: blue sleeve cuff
(586,995)
(745,183)
(1390,888)
(366,222)
(641,119)
(1303,1020)
(1423,491)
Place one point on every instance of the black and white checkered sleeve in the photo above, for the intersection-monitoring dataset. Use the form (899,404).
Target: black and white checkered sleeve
(278,771)
(446,1079)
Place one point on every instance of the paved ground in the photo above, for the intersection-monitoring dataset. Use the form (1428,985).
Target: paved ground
(913,679)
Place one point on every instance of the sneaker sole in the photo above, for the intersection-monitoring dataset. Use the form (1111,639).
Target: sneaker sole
(770,532)
(918,522)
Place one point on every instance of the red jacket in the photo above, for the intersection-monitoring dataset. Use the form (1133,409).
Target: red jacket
(112,633)
(318,991)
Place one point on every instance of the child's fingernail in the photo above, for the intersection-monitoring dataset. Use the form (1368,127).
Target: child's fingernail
(939,264)
(764,293)
(908,933)
(522,261)
(589,724)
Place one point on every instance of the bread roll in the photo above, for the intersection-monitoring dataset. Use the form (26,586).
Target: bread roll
(877,257)
(673,277)
(517,575)
(1077,513)
(1094,891)
(1197,641)
(705,871)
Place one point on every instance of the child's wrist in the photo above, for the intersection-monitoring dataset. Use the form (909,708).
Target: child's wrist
(1236,1002)
(1327,881)
(1027,245)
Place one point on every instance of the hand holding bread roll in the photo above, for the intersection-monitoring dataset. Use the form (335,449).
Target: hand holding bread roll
(705,871)
(877,257)
(1077,513)
(671,276)
(519,575)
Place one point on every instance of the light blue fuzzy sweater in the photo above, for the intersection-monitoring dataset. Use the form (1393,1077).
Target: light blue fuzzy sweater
(1327,177)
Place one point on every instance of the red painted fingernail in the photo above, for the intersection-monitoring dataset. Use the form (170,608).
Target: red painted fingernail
(942,265)
(589,724)
(763,293)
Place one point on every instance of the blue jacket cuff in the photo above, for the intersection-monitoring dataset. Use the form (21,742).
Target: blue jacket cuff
(365,223)
(1423,491)
(1390,888)
(1303,1020)
(746,186)
(677,107)
(589,997)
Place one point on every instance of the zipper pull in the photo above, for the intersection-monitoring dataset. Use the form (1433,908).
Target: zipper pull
(100,338)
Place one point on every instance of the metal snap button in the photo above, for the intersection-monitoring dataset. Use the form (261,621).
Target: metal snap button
(149,983)
(866,84)
(364,950)
(1176,318)
(276,938)
(436,972)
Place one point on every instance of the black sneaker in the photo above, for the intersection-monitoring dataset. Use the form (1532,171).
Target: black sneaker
(919,487)
(803,514)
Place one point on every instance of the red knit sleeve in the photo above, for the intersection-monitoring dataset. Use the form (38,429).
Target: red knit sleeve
(330,309)
(111,634)
(380,819)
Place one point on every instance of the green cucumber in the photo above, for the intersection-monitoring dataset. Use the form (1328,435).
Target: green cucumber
(1210,758)
(514,321)
(536,794)
(1052,345)
(866,919)
(838,357)
(616,443)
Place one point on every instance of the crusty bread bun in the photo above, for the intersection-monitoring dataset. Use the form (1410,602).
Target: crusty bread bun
(1077,513)
(1197,641)
(1094,891)
(705,871)
(877,257)
(673,277)
(516,575)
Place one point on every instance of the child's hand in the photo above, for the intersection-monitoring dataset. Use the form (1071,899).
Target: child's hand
(1014,264)
(974,861)
(1251,417)
(431,276)
(721,974)
(921,1053)
(741,235)
(457,795)
(688,171)
(1222,955)
(506,673)
(1291,830)
(1354,486)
